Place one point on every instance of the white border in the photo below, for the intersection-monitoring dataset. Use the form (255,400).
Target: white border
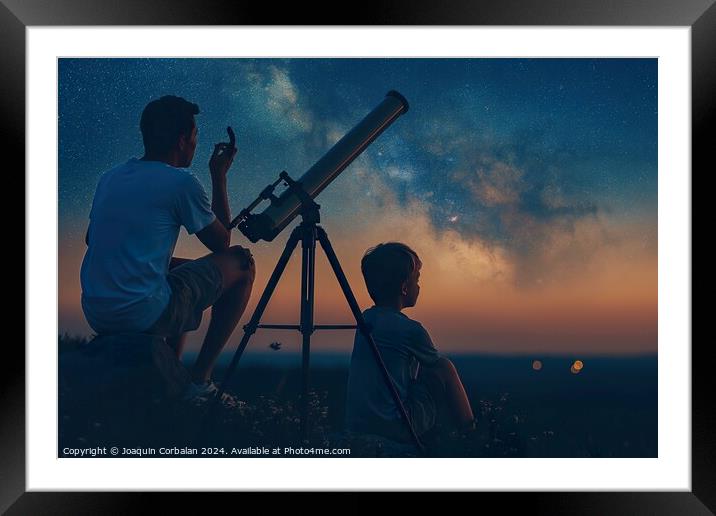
(672,469)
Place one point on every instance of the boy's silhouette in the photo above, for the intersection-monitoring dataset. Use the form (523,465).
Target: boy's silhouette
(427,382)
(131,283)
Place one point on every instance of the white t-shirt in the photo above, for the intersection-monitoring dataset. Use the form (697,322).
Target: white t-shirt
(134,225)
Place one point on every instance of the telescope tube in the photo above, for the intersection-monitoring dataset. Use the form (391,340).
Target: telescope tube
(282,211)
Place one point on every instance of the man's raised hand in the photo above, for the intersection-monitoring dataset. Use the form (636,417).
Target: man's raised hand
(223,156)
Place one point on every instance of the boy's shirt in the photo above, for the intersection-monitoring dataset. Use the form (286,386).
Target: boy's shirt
(402,342)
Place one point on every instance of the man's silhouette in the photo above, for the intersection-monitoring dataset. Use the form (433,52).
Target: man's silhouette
(130,281)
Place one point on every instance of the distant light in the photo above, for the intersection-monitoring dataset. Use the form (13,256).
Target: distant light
(453,218)
(578,365)
(537,365)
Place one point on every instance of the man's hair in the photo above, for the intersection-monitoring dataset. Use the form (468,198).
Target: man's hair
(385,267)
(164,120)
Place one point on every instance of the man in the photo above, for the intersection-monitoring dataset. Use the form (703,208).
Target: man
(130,281)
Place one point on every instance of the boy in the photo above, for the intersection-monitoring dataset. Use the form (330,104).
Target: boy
(428,383)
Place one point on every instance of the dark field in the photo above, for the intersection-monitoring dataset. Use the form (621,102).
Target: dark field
(608,409)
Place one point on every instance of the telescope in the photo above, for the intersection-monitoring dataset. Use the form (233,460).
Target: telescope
(298,199)
(283,209)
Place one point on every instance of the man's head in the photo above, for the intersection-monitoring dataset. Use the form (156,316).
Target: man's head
(169,129)
(391,272)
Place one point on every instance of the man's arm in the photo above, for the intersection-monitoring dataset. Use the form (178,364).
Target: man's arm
(216,236)
(220,199)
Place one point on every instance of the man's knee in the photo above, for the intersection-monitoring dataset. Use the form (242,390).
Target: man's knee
(251,272)
(243,260)
(238,266)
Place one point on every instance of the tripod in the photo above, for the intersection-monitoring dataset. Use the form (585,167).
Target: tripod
(308,232)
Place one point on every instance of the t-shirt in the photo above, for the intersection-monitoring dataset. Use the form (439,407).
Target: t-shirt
(403,344)
(135,218)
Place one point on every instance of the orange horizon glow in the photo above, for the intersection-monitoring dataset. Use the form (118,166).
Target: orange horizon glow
(468,302)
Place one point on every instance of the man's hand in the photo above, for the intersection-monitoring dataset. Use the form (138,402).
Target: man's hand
(223,156)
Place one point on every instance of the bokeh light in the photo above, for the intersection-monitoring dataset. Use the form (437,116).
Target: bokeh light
(577,367)
(537,365)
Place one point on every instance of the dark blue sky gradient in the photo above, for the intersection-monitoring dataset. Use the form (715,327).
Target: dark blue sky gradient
(594,121)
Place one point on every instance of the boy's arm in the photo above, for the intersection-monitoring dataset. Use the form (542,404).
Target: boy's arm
(422,346)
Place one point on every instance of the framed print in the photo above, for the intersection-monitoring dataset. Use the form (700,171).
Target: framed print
(536,178)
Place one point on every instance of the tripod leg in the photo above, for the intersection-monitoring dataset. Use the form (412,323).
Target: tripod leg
(363,328)
(308,270)
(250,328)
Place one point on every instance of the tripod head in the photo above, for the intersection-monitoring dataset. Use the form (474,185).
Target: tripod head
(255,226)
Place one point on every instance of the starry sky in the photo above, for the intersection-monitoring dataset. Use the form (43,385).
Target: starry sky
(527,186)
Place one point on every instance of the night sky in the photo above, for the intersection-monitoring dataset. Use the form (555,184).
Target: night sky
(527,186)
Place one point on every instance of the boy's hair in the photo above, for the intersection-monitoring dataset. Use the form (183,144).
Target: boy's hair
(164,120)
(385,267)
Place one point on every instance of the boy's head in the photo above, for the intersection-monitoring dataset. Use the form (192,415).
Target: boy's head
(391,273)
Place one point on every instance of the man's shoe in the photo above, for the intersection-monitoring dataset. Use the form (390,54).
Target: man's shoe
(200,392)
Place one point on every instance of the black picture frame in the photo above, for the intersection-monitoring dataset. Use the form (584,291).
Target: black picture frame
(700,15)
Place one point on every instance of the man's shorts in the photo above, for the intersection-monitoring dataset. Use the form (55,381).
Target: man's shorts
(195,285)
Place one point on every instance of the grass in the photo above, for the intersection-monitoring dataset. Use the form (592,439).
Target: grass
(262,409)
